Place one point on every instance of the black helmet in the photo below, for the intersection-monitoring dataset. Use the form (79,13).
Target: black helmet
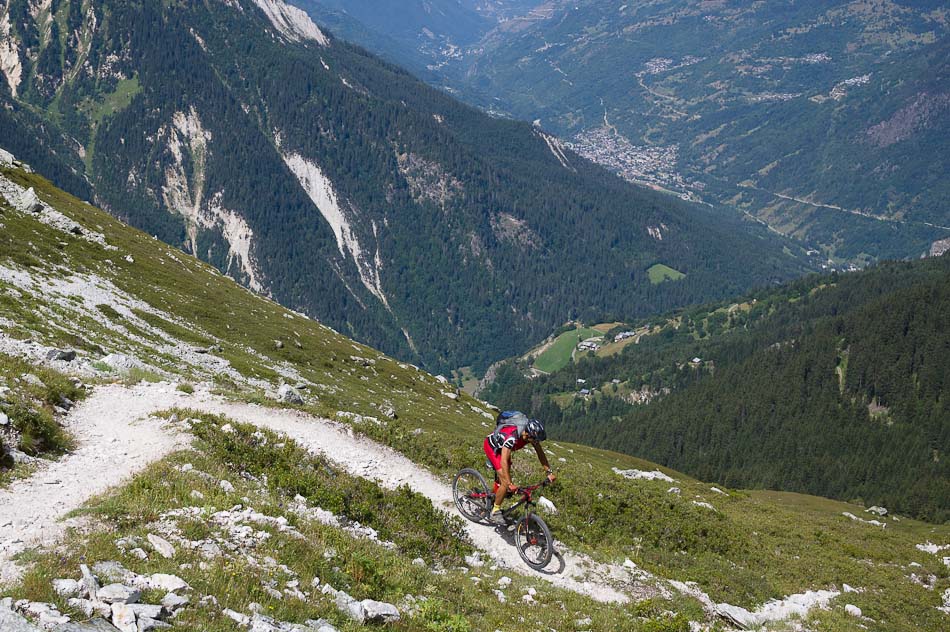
(535,430)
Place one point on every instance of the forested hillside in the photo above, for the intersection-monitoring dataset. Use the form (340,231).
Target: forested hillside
(835,385)
(826,120)
(341,186)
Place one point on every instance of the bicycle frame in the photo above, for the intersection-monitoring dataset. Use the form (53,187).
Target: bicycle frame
(526,498)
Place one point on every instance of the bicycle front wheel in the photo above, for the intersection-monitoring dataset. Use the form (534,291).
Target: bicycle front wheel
(471,494)
(534,542)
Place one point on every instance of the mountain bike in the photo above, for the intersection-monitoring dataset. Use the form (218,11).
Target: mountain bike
(474,500)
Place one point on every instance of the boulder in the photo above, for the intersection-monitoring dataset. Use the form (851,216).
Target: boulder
(119,593)
(146,623)
(149,611)
(121,362)
(93,625)
(350,607)
(28,202)
(168,583)
(113,572)
(289,395)
(320,625)
(173,602)
(12,622)
(546,505)
(880,511)
(65,355)
(6,158)
(379,611)
(853,610)
(66,587)
(162,546)
(90,587)
(4,420)
(123,617)
(237,617)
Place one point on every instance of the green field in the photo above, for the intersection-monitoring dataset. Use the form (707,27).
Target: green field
(660,273)
(558,355)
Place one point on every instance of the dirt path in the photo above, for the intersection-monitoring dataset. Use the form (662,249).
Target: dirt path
(116,440)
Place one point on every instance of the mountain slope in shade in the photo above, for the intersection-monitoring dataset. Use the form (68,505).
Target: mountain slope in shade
(827,121)
(339,185)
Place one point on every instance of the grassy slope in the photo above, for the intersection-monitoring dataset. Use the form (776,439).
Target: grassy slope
(660,273)
(558,355)
(752,548)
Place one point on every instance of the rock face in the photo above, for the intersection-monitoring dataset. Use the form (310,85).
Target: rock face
(28,202)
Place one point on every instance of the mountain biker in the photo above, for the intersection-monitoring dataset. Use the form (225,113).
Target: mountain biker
(513,431)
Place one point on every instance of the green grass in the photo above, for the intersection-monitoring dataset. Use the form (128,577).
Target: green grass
(558,355)
(660,273)
(449,600)
(29,408)
(755,547)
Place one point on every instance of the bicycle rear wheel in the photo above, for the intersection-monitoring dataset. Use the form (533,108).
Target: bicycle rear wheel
(471,494)
(534,542)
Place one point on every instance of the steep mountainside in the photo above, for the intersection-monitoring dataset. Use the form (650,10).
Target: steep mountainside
(272,474)
(826,120)
(339,185)
(831,385)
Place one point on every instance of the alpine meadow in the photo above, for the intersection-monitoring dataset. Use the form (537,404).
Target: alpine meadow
(474,316)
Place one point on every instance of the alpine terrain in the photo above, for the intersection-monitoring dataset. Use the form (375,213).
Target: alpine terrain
(320,176)
(177,452)
(827,121)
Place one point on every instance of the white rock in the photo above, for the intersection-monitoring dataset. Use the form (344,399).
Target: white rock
(28,202)
(853,610)
(173,602)
(146,624)
(82,605)
(147,610)
(546,505)
(655,475)
(162,546)
(226,485)
(4,420)
(123,617)
(122,362)
(350,607)
(379,611)
(66,587)
(168,583)
(289,395)
(119,593)
(880,511)
(504,582)
(237,617)
(673,490)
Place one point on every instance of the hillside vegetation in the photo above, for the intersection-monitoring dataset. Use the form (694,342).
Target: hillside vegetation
(832,385)
(133,308)
(339,185)
(826,120)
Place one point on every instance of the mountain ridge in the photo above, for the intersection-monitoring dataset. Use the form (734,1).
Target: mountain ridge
(307,168)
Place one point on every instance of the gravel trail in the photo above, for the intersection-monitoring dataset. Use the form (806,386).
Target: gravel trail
(117,439)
